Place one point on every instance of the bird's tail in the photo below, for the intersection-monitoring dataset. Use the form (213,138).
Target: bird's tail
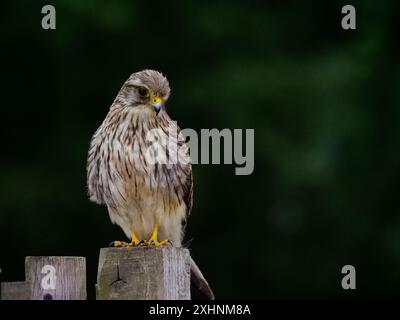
(199,283)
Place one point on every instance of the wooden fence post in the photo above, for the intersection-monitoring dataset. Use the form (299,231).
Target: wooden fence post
(56,278)
(143,273)
(49,278)
(15,291)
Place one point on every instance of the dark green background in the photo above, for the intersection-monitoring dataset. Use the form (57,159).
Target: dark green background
(324,103)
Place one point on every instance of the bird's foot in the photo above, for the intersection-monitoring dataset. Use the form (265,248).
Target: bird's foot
(156,243)
(153,241)
(123,244)
(134,243)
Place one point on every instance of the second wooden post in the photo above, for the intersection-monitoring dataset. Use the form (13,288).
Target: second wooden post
(143,273)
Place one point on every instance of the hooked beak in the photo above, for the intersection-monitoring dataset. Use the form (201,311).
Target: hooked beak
(156,102)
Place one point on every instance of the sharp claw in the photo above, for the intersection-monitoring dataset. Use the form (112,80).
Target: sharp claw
(142,243)
(159,244)
(117,244)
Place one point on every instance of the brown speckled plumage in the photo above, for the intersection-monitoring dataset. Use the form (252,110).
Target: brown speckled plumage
(139,194)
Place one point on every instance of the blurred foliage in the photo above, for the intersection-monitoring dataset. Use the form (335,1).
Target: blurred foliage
(324,104)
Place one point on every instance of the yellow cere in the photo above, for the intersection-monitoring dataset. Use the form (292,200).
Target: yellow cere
(156,100)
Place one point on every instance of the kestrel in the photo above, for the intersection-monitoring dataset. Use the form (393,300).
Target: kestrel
(149,200)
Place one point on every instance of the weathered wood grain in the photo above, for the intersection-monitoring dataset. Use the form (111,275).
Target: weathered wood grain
(56,278)
(15,290)
(143,273)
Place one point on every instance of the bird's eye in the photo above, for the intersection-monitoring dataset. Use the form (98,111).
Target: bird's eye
(143,92)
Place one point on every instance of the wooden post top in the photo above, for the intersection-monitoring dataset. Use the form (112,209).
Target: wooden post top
(144,273)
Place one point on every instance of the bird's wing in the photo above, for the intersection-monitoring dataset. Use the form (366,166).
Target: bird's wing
(188,197)
(186,169)
(93,167)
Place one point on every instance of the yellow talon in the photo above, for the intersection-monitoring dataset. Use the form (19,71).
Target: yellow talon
(153,241)
(116,244)
(134,242)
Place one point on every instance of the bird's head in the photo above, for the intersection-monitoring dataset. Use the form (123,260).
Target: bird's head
(148,88)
